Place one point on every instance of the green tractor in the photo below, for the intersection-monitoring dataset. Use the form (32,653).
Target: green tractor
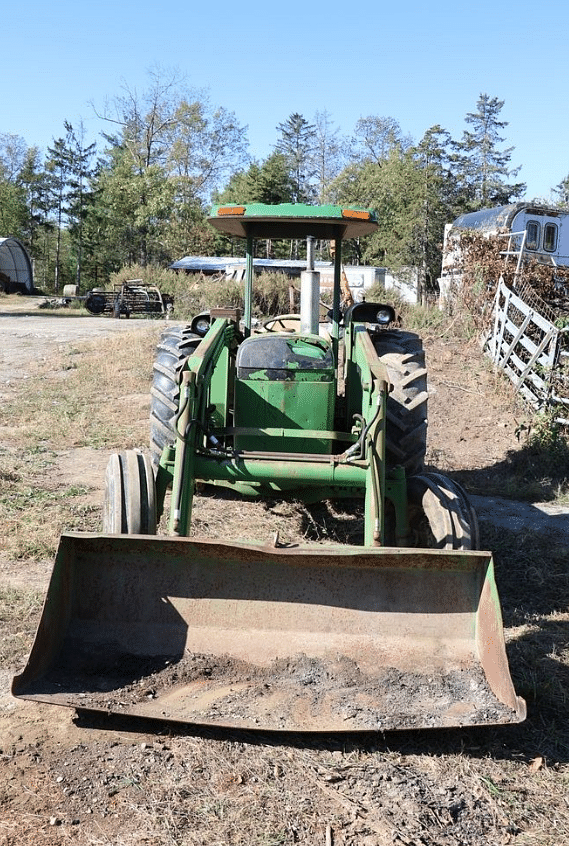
(401,632)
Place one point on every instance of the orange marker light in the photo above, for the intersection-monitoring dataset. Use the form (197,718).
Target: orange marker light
(231,210)
(359,215)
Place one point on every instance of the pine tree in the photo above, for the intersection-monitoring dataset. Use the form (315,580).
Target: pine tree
(58,166)
(79,194)
(32,179)
(297,144)
(482,168)
(437,200)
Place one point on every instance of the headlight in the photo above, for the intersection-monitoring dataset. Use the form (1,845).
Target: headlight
(200,324)
(384,316)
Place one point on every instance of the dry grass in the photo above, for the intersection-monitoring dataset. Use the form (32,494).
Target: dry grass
(248,794)
(34,509)
(19,612)
(94,394)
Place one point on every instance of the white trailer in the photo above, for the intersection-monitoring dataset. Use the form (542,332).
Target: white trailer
(529,230)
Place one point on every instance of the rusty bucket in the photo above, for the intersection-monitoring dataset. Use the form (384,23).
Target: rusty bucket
(312,638)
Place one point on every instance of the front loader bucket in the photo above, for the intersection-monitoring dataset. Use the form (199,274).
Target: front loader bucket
(297,639)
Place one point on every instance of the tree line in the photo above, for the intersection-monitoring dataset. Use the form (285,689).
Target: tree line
(141,196)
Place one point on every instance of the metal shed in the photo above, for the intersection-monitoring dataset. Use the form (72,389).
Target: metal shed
(16,273)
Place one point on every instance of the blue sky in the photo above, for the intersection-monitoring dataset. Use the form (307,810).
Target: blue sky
(420,63)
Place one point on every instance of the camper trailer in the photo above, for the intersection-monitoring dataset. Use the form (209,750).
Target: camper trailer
(529,231)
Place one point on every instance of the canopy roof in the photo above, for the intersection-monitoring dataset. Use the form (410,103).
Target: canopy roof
(292,220)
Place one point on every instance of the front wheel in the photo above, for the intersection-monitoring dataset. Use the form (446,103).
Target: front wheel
(129,505)
(440,514)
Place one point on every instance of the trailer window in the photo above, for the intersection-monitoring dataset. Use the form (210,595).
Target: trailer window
(532,235)
(550,237)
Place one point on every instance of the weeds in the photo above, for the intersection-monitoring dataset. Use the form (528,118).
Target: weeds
(19,613)
(540,470)
(96,395)
(548,436)
(101,403)
(195,292)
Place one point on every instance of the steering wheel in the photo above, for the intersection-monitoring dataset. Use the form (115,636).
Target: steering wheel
(278,324)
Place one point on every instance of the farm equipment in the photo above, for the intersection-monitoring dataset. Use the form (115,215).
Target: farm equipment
(401,632)
(132,297)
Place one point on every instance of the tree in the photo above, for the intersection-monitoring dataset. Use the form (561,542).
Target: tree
(79,196)
(411,191)
(26,200)
(382,175)
(328,155)
(12,208)
(562,191)
(38,229)
(13,152)
(270,182)
(132,183)
(372,185)
(101,241)
(133,206)
(58,167)
(13,212)
(274,183)
(297,144)
(437,200)
(168,154)
(206,145)
(481,167)
(375,137)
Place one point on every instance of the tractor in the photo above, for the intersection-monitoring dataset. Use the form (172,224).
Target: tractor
(403,631)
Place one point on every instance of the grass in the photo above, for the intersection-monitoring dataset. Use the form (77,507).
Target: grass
(93,396)
(86,396)
(19,613)
(532,473)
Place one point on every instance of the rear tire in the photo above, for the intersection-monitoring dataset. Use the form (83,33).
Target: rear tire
(174,347)
(129,505)
(406,431)
(440,514)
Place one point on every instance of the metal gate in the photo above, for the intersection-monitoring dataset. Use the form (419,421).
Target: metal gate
(528,348)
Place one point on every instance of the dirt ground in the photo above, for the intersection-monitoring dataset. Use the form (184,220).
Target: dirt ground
(70,777)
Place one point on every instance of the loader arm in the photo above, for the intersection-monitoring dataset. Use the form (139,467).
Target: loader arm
(205,378)
(366,389)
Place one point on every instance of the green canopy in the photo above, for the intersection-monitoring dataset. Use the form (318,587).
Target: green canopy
(292,220)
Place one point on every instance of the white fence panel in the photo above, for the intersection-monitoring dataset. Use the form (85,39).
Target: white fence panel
(524,345)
